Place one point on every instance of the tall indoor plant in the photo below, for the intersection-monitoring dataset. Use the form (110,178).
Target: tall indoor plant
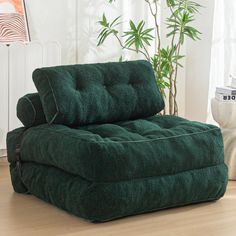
(166,60)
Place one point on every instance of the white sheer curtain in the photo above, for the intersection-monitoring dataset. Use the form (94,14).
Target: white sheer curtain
(74,24)
(89,12)
(223,55)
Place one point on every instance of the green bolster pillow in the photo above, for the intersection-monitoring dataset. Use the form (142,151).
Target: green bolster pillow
(30,110)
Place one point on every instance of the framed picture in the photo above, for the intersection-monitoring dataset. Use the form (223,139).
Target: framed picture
(13,22)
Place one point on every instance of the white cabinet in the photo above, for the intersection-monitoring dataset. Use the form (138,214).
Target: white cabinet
(17,62)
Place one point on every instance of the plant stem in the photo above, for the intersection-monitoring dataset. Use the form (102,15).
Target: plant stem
(154,14)
(147,53)
(175,82)
(172,96)
(177,52)
(171,93)
(158,29)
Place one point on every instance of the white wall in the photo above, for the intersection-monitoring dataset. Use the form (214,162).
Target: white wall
(198,65)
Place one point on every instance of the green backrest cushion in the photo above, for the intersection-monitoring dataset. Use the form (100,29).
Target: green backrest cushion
(98,93)
(30,110)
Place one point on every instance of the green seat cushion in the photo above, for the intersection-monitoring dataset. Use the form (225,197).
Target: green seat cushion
(143,148)
(100,202)
(98,93)
(30,110)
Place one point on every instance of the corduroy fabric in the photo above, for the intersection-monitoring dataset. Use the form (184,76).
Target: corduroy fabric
(98,93)
(99,202)
(102,156)
(30,110)
(156,146)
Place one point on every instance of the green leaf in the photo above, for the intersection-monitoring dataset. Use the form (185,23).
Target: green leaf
(183,12)
(107,28)
(138,36)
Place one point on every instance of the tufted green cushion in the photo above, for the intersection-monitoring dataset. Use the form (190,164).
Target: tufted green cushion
(158,145)
(98,93)
(103,172)
(30,110)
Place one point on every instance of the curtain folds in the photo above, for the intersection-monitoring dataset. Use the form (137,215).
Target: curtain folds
(89,12)
(223,53)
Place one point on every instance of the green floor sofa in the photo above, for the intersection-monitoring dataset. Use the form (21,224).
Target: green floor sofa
(94,145)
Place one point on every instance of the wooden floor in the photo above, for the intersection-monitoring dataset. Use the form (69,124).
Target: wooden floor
(25,215)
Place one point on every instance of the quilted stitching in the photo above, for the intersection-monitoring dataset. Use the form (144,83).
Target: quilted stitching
(98,93)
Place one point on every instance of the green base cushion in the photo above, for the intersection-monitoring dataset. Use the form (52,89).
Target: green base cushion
(98,93)
(30,110)
(159,145)
(104,172)
(99,202)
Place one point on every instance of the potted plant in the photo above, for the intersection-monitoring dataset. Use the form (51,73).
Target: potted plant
(166,61)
